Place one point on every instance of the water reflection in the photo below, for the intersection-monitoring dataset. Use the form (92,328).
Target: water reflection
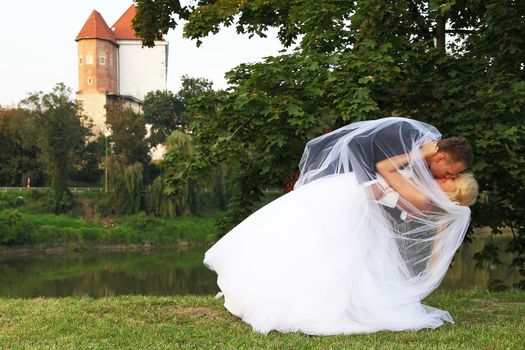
(171,272)
(462,273)
(157,272)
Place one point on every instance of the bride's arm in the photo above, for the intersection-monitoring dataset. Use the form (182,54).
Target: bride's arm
(388,169)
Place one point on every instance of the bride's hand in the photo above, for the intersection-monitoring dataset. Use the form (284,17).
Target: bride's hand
(429,149)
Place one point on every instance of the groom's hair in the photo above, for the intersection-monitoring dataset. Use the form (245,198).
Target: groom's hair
(458,149)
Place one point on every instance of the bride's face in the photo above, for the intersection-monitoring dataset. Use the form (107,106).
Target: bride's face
(447,185)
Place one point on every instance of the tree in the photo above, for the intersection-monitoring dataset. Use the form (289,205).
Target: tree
(19,157)
(88,166)
(177,187)
(60,134)
(128,133)
(192,88)
(457,64)
(126,184)
(163,111)
(167,112)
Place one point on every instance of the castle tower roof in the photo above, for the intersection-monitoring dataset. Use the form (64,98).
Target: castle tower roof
(96,28)
(122,27)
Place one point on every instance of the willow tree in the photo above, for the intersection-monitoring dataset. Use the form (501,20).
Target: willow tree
(178,187)
(126,183)
(457,64)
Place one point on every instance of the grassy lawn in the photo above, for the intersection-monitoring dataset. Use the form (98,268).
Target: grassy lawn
(483,321)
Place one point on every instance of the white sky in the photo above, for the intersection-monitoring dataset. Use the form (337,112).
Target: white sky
(38,48)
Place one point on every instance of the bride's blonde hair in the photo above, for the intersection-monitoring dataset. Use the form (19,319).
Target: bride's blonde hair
(467,189)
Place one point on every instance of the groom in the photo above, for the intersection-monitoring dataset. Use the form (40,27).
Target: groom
(454,153)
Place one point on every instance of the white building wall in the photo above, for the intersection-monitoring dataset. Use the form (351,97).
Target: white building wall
(93,106)
(141,69)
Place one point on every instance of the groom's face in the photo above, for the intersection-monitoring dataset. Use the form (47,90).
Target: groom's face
(443,167)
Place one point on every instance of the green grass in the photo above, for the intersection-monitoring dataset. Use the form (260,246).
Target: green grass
(483,321)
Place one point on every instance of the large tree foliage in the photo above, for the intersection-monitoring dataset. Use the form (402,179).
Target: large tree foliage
(457,64)
(61,134)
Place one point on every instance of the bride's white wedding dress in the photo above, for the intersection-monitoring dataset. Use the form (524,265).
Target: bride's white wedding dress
(327,258)
(310,261)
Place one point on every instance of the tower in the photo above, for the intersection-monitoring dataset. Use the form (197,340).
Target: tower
(113,65)
(97,67)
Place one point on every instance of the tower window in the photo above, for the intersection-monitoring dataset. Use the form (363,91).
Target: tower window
(102,60)
(90,81)
(80,60)
(89,60)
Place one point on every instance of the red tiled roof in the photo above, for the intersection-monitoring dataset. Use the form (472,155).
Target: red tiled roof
(96,28)
(122,27)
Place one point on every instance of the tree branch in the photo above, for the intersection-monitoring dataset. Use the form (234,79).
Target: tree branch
(440,33)
(460,31)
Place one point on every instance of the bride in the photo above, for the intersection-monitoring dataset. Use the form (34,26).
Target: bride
(368,232)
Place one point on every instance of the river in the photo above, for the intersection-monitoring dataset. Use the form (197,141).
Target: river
(175,272)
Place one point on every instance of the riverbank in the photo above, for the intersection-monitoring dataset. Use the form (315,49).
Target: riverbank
(483,321)
(22,232)
(26,225)
(49,250)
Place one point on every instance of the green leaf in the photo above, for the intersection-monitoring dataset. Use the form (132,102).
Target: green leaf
(294,110)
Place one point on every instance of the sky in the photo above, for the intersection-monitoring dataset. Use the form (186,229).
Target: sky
(38,47)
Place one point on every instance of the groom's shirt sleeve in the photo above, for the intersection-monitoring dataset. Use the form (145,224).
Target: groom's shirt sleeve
(367,150)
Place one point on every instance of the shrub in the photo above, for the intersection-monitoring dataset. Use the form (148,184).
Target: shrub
(140,221)
(45,234)
(14,229)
